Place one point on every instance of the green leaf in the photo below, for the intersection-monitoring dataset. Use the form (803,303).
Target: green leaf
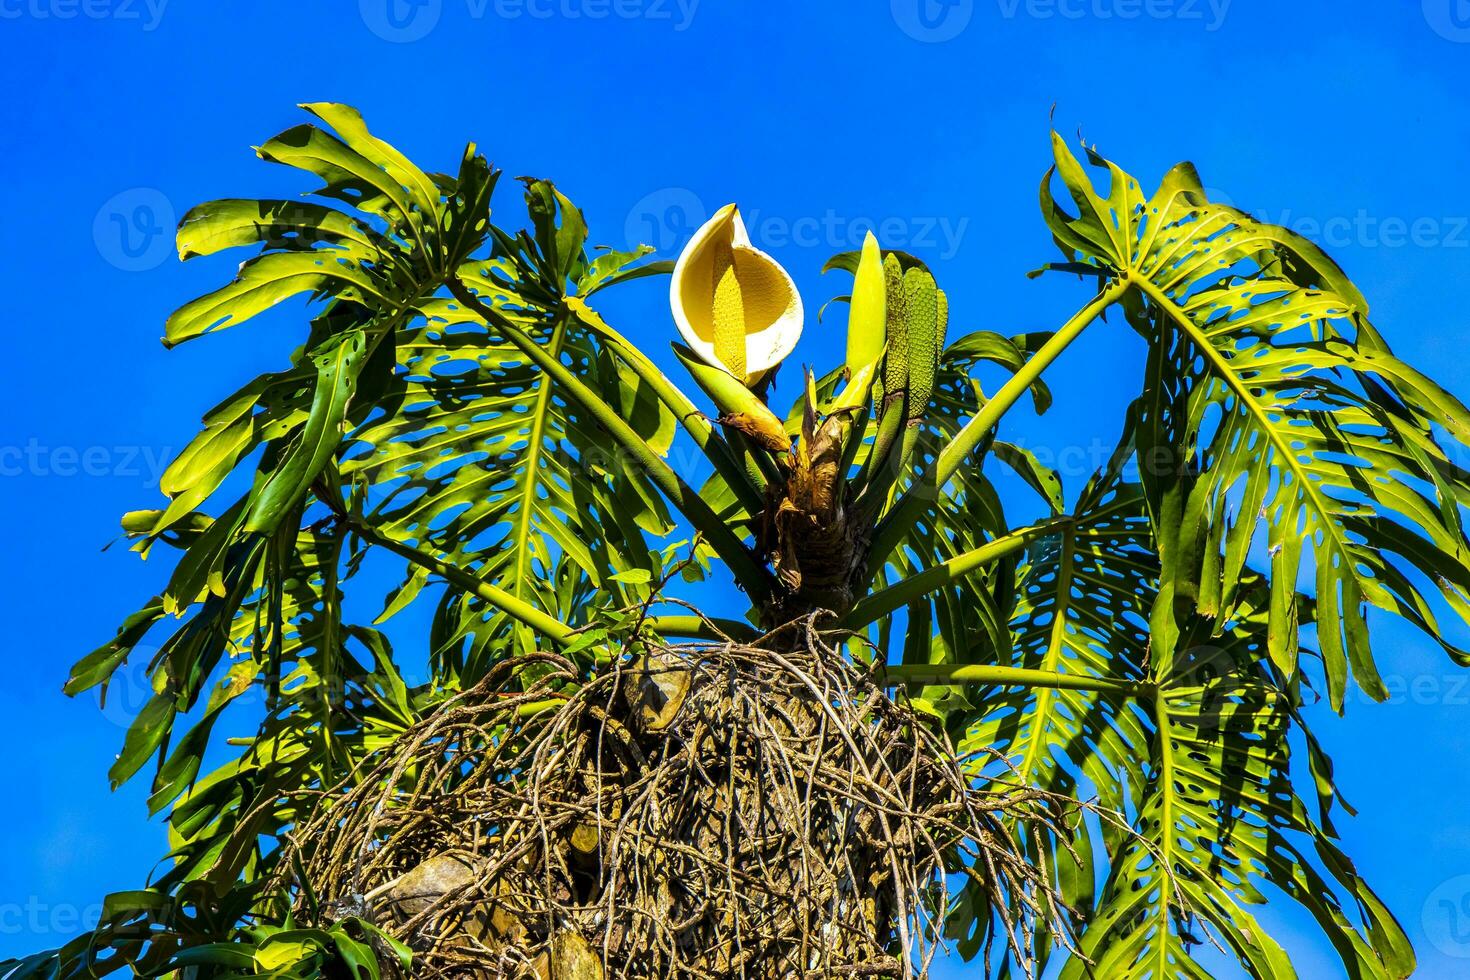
(145,736)
(338,366)
(1292,404)
(99,665)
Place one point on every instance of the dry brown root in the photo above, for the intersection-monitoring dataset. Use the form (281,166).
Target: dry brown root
(699,811)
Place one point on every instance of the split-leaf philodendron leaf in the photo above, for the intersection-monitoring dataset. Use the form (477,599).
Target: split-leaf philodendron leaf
(460,417)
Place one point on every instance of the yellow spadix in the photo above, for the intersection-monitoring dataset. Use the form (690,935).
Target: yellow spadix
(735,306)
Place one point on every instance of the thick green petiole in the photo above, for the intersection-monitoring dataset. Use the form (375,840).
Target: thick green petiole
(915,587)
(694,422)
(465,580)
(702,628)
(751,575)
(965,674)
(910,506)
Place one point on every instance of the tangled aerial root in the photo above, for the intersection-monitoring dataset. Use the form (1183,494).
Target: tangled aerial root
(705,811)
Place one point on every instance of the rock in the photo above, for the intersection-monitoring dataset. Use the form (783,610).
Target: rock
(571,957)
(655,688)
(504,924)
(584,843)
(426,885)
(418,890)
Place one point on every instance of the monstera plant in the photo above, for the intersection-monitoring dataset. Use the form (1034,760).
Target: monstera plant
(461,416)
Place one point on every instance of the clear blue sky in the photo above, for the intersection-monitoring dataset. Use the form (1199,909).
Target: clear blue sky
(1346,120)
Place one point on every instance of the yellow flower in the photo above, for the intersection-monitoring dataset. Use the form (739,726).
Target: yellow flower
(735,306)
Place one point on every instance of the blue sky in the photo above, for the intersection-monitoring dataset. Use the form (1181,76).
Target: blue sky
(1346,121)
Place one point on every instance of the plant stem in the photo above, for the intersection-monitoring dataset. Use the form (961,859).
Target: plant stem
(958,674)
(910,506)
(880,470)
(879,604)
(461,578)
(694,422)
(755,579)
(533,708)
(535,445)
(702,628)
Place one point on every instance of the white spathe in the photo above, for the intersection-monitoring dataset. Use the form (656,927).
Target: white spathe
(770,306)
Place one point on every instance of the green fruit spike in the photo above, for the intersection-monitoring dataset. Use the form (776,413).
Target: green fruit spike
(896,364)
(943,324)
(921,311)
